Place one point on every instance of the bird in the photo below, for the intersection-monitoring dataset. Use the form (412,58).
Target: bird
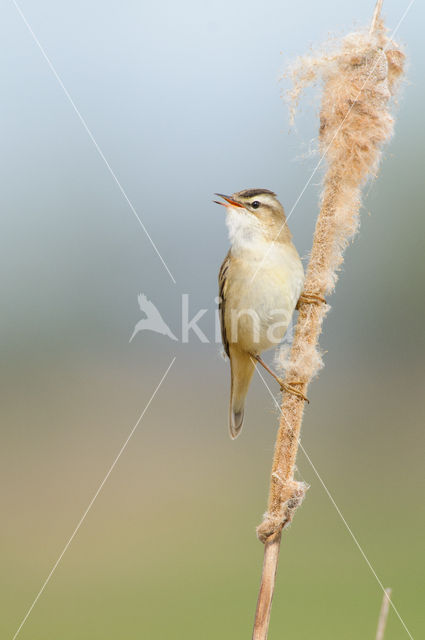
(153,320)
(260,283)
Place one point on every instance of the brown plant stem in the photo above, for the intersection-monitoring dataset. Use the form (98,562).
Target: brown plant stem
(358,83)
(383,615)
(376,15)
(264,604)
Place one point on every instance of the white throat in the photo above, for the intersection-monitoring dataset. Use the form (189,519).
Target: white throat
(245,231)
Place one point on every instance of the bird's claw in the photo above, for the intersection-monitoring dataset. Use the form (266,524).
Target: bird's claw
(290,387)
(310,298)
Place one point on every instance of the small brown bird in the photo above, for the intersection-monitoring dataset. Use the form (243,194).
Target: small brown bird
(260,282)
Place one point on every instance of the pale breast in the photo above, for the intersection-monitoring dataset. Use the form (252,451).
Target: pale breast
(263,288)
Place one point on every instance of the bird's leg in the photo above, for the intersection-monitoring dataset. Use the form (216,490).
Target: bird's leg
(285,386)
(267,368)
(310,298)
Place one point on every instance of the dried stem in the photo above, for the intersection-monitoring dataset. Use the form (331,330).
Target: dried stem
(382,621)
(264,603)
(358,82)
(376,16)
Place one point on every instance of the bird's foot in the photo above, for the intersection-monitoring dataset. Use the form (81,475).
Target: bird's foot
(310,298)
(290,387)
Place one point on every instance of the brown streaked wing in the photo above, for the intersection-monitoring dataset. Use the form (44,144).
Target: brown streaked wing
(222,289)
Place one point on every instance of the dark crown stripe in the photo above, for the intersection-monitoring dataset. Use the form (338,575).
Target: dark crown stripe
(251,193)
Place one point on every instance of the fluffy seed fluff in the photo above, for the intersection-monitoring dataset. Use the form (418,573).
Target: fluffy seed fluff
(359,78)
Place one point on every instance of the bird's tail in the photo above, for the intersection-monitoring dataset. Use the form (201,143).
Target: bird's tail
(241,371)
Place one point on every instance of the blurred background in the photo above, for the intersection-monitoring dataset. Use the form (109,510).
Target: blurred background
(184,99)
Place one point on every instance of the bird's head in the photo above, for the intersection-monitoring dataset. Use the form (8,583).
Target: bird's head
(264,211)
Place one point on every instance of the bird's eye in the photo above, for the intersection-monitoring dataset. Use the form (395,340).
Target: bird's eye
(255,204)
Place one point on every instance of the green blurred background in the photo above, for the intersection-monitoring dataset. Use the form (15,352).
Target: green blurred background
(184,100)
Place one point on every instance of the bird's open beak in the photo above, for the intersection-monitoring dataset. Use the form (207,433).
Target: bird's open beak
(233,203)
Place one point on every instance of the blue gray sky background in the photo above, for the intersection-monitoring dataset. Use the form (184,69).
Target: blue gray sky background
(185,99)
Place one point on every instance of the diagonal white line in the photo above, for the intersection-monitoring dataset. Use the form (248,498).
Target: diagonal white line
(331,142)
(111,468)
(338,510)
(92,138)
